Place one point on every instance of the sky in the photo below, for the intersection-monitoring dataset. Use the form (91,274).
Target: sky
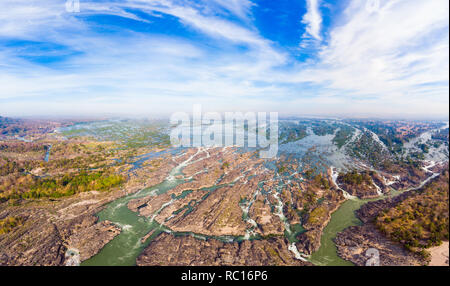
(360,58)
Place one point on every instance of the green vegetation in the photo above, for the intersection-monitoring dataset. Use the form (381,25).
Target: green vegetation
(321,182)
(74,167)
(422,220)
(292,133)
(441,135)
(282,169)
(30,187)
(343,135)
(317,215)
(323,128)
(354,178)
(310,174)
(21,147)
(424,148)
(69,184)
(7,224)
(129,134)
(414,158)
(367,149)
(388,133)
(9,166)
(395,133)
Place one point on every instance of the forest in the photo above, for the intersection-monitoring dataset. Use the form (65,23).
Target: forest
(422,220)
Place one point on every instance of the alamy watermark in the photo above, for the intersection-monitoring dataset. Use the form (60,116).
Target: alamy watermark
(258,130)
(374,257)
(73,6)
(373,6)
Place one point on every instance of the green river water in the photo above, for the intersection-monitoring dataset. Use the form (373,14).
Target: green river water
(126,247)
(342,218)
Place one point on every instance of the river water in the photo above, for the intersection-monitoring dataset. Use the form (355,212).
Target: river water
(344,217)
(47,153)
(340,219)
(126,247)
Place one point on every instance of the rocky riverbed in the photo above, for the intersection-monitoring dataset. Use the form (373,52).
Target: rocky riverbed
(354,242)
(167,249)
(51,226)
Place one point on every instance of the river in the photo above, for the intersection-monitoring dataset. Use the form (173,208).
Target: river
(344,217)
(340,220)
(47,153)
(126,247)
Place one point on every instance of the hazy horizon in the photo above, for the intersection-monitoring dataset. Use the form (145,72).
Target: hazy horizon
(95,117)
(149,58)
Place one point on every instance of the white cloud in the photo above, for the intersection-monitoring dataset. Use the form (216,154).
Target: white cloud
(398,54)
(240,8)
(313,19)
(371,62)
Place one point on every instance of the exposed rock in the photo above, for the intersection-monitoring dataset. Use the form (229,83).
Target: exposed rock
(188,251)
(90,239)
(147,236)
(353,242)
(42,242)
(309,241)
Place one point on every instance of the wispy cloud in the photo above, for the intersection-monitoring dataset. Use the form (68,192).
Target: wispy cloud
(367,62)
(373,54)
(313,19)
(240,8)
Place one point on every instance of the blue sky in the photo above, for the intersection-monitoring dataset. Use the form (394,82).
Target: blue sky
(154,57)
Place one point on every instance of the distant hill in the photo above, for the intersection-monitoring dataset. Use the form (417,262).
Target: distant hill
(11,126)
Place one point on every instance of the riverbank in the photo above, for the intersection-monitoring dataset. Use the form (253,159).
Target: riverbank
(375,233)
(439,255)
